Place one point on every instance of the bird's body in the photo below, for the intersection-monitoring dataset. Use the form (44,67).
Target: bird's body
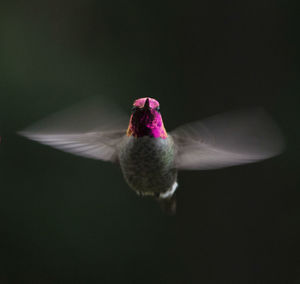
(150,157)
(147,154)
(148,164)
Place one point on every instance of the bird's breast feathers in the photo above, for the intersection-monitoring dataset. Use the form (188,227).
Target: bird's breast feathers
(148,164)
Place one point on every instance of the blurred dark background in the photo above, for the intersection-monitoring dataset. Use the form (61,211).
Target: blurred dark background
(66,219)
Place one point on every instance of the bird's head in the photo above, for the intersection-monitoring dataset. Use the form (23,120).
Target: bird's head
(146,119)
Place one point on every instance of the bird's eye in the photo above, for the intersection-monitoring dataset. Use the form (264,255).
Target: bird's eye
(158,109)
(134,108)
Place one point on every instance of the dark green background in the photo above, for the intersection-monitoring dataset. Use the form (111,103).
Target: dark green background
(66,219)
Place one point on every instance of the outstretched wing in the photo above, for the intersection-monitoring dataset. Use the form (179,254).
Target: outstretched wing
(94,145)
(92,129)
(226,140)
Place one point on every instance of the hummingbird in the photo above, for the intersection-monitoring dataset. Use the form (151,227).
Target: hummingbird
(149,156)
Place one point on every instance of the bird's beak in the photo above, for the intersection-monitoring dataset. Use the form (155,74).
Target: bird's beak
(146,105)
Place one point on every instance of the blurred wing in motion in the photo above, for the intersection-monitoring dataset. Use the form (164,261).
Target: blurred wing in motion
(94,145)
(226,140)
(92,129)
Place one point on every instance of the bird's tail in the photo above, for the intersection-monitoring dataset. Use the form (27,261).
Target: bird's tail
(168,205)
(167,200)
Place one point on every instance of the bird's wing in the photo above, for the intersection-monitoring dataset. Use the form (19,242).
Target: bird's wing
(94,145)
(226,140)
(92,129)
